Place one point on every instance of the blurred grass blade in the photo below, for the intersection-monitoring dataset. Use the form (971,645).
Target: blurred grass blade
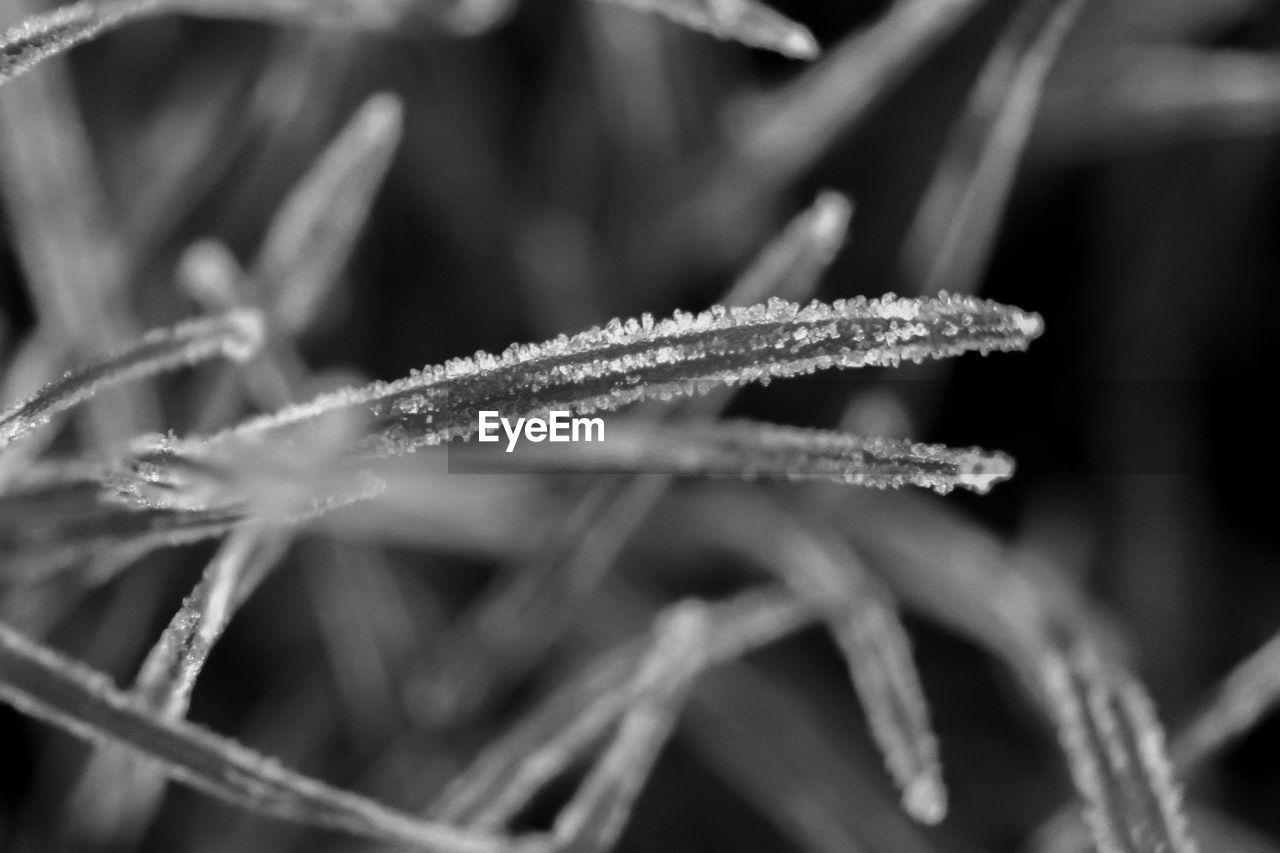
(42,683)
(747,21)
(623,363)
(863,619)
(593,820)
(233,335)
(63,231)
(118,793)
(313,232)
(790,266)
(950,241)
(1115,748)
(778,136)
(1248,694)
(748,450)
(550,739)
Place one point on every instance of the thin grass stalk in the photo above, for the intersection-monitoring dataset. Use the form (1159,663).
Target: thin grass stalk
(593,820)
(234,335)
(42,683)
(1115,747)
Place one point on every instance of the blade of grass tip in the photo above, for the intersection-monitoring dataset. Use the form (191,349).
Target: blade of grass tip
(1248,693)
(777,136)
(1115,748)
(604,369)
(313,232)
(558,732)
(790,266)
(772,748)
(118,793)
(40,682)
(747,450)
(594,819)
(746,21)
(863,619)
(951,238)
(234,335)
(515,621)
(63,233)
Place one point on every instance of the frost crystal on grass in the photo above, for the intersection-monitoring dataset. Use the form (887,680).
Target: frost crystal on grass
(621,363)
(753,450)
(1115,746)
(745,21)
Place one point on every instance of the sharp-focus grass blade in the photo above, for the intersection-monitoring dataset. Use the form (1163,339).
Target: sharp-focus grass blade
(747,450)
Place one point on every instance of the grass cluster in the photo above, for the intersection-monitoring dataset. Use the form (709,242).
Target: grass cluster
(259,590)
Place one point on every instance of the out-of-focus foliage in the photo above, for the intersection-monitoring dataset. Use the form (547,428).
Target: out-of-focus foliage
(510,654)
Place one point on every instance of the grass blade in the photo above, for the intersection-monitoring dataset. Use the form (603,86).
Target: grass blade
(1115,747)
(747,450)
(558,732)
(118,793)
(790,266)
(233,335)
(746,21)
(515,622)
(594,819)
(606,368)
(42,683)
(313,232)
(957,221)
(1246,695)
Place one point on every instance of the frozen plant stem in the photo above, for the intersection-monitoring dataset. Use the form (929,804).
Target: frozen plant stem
(234,335)
(606,368)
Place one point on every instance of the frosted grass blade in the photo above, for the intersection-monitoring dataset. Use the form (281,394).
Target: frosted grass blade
(1115,748)
(313,232)
(958,218)
(118,793)
(593,820)
(42,683)
(63,233)
(780,135)
(606,368)
(234,335)
(516,621)
(41,36)
(746,21)
(747,450)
